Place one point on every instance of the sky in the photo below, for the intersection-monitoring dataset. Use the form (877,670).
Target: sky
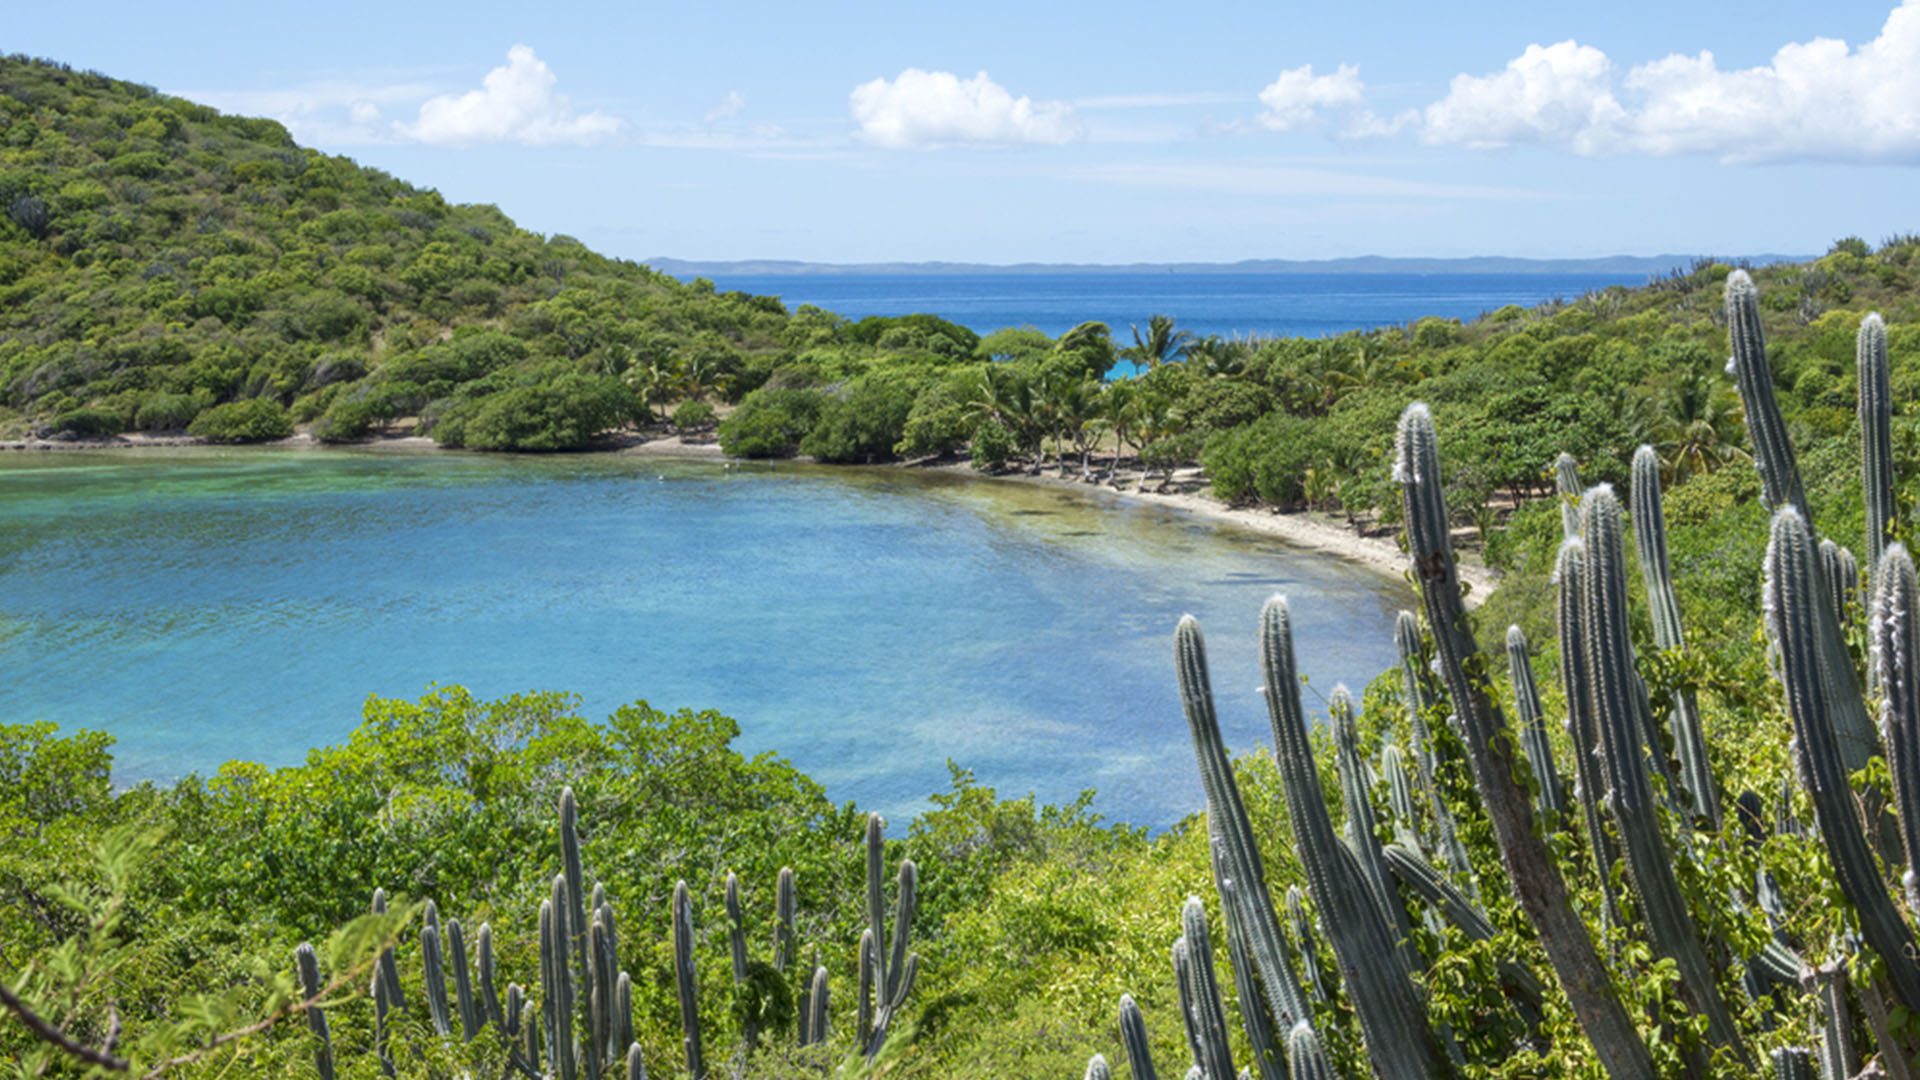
(1072,132)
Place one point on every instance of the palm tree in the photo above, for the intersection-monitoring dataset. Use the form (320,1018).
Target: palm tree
(1072,405)
(1007,396)
(1162,345)
(1694,421)
(1218,357)
(1116,414)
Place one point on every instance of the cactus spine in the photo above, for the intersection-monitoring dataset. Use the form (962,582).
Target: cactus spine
(1533,728)
(308,966)
(1227,816)
(1796,607)
(1378,977)
(683,978)
(1876,439)
(1618,703)
(1133,1036)
(1895,628)
(894,964)
(1400,797)
(1650,535)
(1792,1063)
(1569,573)
(1306,1057)
(1534,875)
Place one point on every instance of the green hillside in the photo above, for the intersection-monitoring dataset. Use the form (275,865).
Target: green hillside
(159,259)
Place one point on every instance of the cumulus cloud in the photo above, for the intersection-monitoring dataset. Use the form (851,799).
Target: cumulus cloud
(936,108)
(1819,99)
(1298,97)
(516,102)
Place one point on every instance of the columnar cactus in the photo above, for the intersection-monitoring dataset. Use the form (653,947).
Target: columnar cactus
(1253,1014)
(1772,452)
(785,904)
(1792,1063)
(1534,875)
(463,998)
(1133,1036)
(1895,629)
(308,966)
(1836,1027)
(1426,757)
(1400,797)
(814,1016)
(1566,487)
(1378,978)
(1617,698)
(1306,1057)
(1097,1069)
(1876,439)
(1590,787)
(1205,1015)
(431,959)
(1227,816)
(683,979)
(894,964)
(1354,787)
(1650,535)
(1797,607)
(1413,871)
(1533,728)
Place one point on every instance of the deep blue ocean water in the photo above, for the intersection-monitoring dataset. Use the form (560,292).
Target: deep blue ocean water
(1310,305)
(870,624)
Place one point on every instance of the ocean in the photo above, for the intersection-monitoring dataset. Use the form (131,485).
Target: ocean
(1228,304)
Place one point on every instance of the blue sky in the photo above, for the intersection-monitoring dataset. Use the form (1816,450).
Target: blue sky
(1104,133)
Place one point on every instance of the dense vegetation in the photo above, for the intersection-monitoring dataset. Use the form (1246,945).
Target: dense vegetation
(162,267)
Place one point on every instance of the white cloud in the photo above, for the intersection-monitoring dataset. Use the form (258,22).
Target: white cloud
(325,114)
(729,106)
(1560,93)
(516,102)
(1299,98)
(936,108)
(1819,99)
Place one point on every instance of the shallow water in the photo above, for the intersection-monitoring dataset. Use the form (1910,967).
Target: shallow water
(869,624)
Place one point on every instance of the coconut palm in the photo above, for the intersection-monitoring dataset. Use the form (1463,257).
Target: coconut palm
(1161,345)
(1694,421)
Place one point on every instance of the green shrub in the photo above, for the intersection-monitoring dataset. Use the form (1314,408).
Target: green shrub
(771,422)
(993,446)
(693,416)
(86,422)
(544,413)
(1266,460)
(348,419)
(863,425)
(168,412)
(252,420)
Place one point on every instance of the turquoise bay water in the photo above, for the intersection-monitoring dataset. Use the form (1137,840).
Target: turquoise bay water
(868,624)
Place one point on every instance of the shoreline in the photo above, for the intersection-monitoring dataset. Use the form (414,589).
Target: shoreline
(1305,530)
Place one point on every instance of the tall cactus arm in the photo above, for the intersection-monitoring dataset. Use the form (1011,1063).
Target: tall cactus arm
(1400,797)
(785,904)
(1227,815)
(576,913)
(1267,1053)
(1566,486)
(1354,789)
(308,966)
(1895,628)
(1307,1058)
(1206,1015)
(463,999)
(1590,787)
(432,961)
(1426,757)
(1615,694)
(1793,1063)
(1534,876)
(1876,437)
(1418,875)
(489,999)
(1097,1069)
(389,967)
(1650,536)
(1795,605)
(1133,1036)
(683,978)
(1533,728)
(1772,451)
(1373,965)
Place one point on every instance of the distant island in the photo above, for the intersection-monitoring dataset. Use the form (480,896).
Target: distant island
(1649,265)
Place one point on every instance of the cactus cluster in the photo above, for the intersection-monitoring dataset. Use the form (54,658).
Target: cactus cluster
(580,1024)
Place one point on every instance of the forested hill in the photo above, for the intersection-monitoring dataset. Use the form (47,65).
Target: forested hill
(159,259)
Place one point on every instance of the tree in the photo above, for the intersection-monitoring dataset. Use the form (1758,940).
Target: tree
(1161,345)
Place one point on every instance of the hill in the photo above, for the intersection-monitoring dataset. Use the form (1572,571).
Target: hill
(161,262)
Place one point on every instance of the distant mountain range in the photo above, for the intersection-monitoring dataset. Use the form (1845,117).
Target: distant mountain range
(1364,264)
